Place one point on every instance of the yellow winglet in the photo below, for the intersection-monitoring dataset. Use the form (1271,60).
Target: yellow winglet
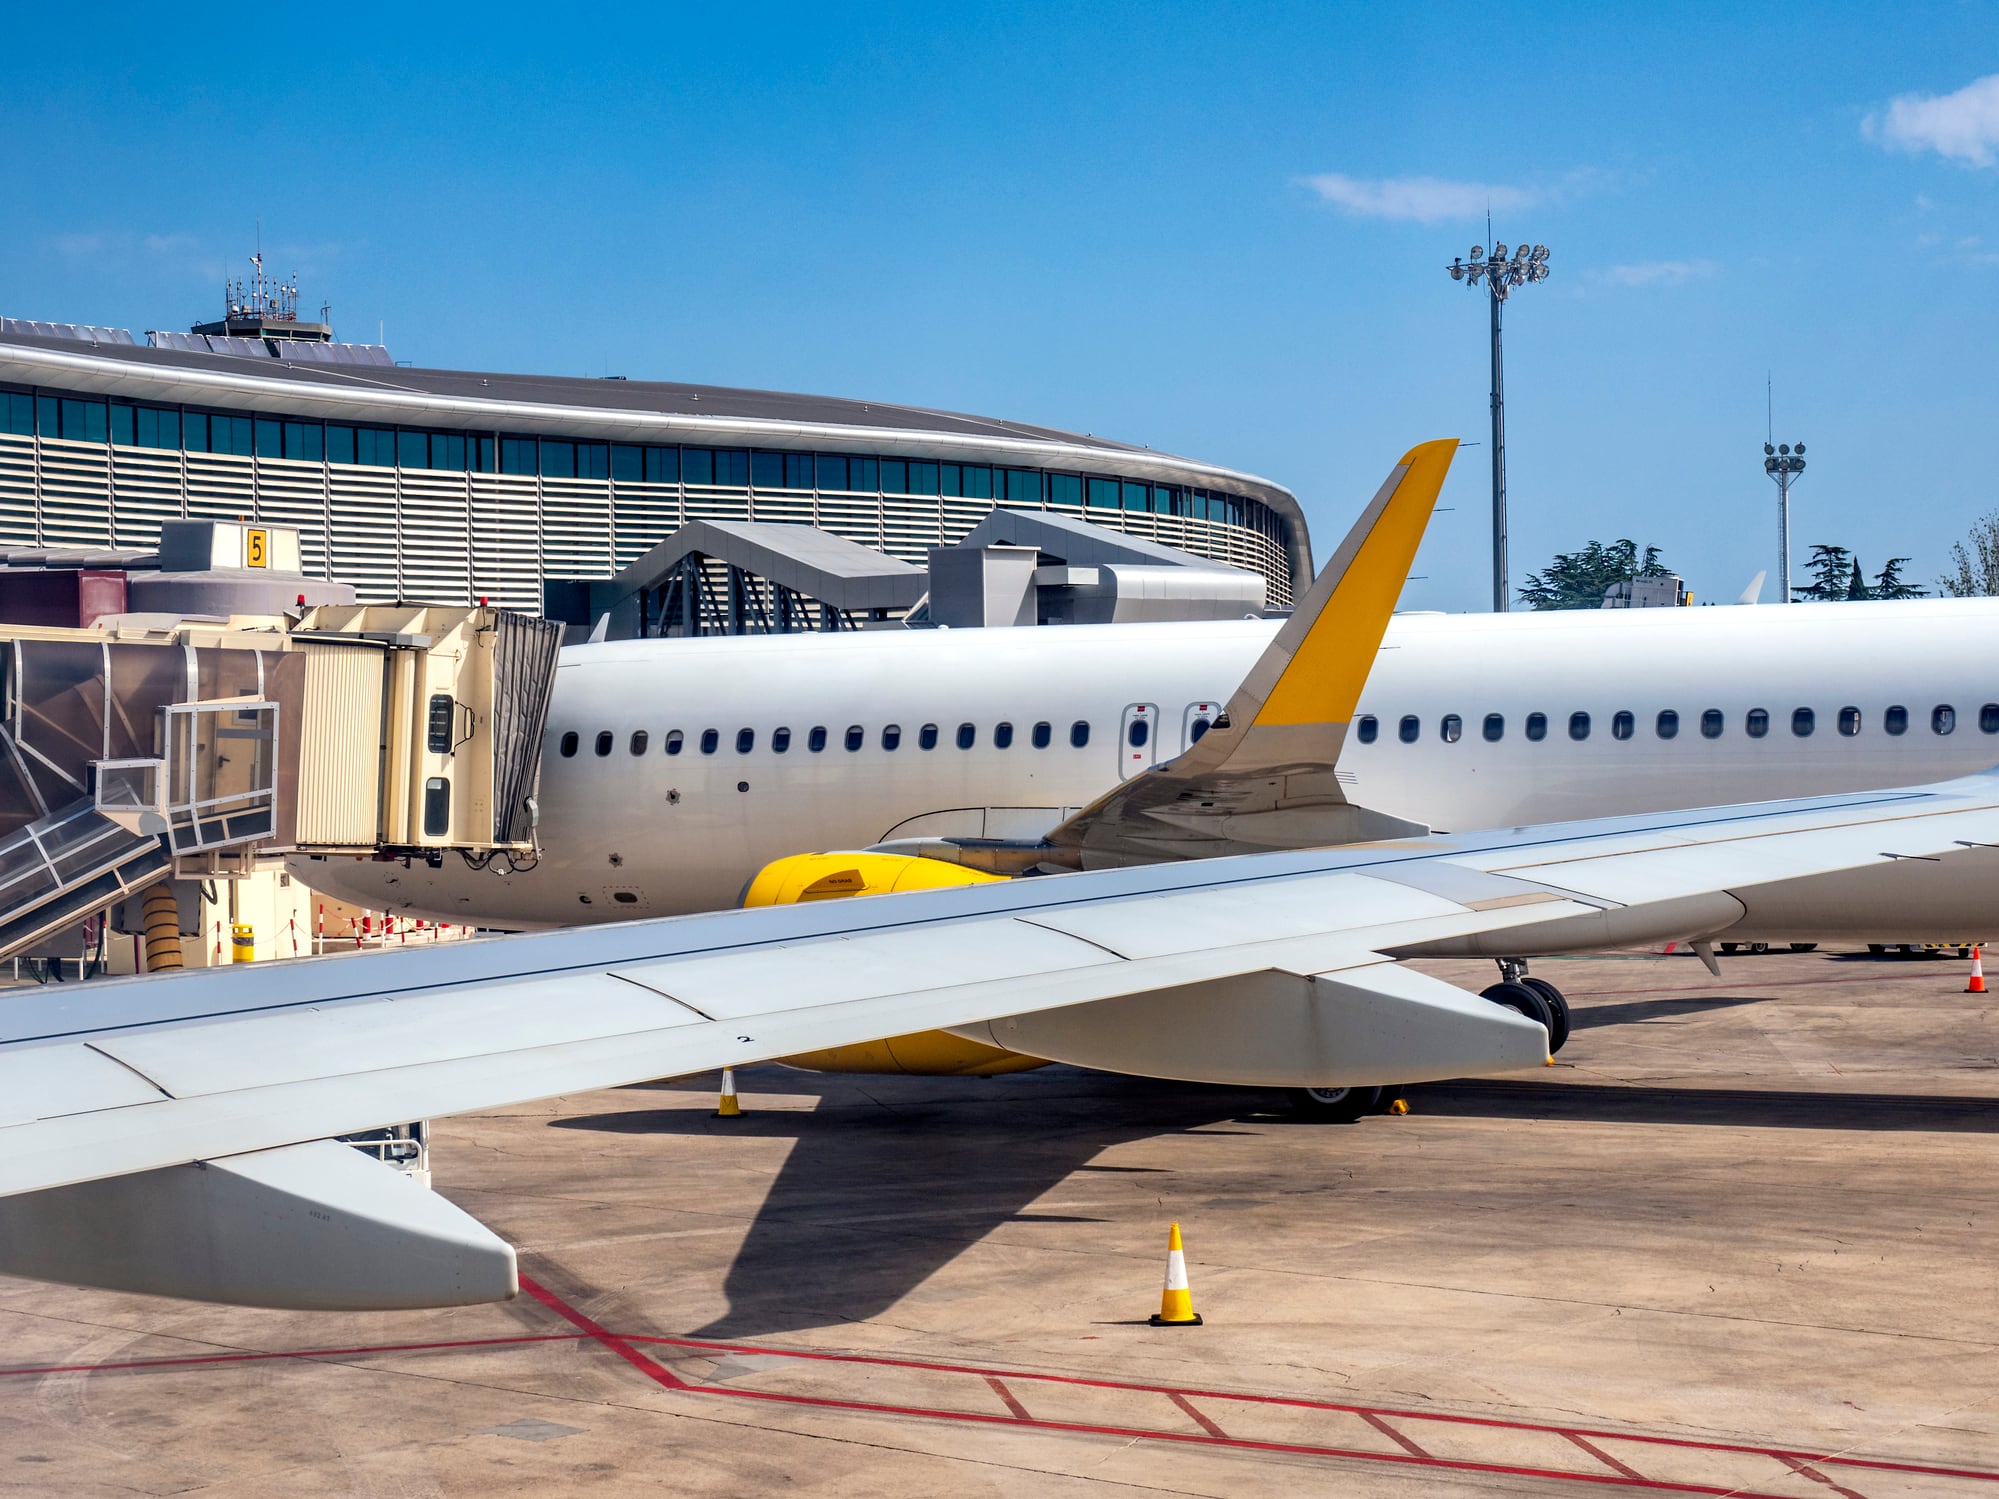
(1346,612)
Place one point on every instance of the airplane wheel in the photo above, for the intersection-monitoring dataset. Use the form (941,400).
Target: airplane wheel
(1525,1001)
(1759,947)
(1332,1105)
(1558,1006)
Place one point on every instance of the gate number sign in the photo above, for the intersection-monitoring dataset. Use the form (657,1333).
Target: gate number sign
(257,547)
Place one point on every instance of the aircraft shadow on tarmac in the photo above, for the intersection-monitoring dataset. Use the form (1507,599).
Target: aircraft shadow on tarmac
(891,1180)
(1590,1016)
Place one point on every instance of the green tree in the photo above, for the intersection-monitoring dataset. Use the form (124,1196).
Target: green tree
(1976,562)
(1577,580)
(1856,586)
(1831,568)
(1888,582)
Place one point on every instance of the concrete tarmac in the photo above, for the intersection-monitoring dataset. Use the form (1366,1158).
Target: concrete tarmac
(1739,1241)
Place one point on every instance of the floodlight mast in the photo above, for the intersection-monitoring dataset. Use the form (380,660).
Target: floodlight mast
(1499,275)
(1783,463)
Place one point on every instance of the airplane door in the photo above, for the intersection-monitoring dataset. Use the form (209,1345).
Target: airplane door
(1138,739)
(1199,718)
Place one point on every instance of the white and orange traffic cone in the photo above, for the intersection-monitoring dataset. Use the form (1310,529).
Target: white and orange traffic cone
(1977,984)
(728,1107)
(1176,1301)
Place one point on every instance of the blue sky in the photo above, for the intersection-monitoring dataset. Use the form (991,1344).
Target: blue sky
(1219,230)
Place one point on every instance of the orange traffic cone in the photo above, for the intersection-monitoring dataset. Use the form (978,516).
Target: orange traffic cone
(1176,1301)
(1977,984)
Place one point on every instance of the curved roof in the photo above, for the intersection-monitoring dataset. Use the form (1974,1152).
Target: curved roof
(609,410)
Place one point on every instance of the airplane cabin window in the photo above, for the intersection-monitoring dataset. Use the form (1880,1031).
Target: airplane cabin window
(1943,718)
(746,740)
(1849,721)
(1537,726)
(780,741)
(640,739)
(709,739)
(604,742)
(1622,723)
(1756,723)
(1410,729)
(1366,727)
(1495,727)
(1136,735)
(856,737)
(1452,728)
(1043,733)
(967,736)
(1896,720)
(1201,726)
(674,740)
(1079,734)
(1803,722)
(569,743)
(1578,726)
(1002,736)
(1988,719)
(891,735)
(1712,723)
(1668,723)
(926,737)
(816,740)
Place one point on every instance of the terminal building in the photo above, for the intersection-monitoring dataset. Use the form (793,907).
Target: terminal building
(451,487)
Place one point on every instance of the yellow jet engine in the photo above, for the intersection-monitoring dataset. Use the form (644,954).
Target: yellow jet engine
(804,877)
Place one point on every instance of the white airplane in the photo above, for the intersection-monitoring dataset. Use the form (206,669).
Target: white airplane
(178,1134)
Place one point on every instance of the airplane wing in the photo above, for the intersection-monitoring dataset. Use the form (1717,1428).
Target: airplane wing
(1264,776)
(175,1134)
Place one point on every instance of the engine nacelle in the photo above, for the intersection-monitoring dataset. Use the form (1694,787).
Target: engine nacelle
(806,877)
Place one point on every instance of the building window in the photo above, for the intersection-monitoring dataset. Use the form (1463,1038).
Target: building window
(270,438)
(1065,489)
(1712,723)
(558,459)
(1023,486)
(628,463)
(593,460)
(604,743)
(746,740)
(1003,736)
(780,741)
(674,740)
(1622,724)
(640,739)
(732,467)
(1102,493)
(816,740)
(1079,734)
(856,737)
(891,736)
(1495,727)
(1536,727)
(305,441)
(17,414)
(967,736)
(832,471)
(569,743)
(160,428)
(1044,734)
(374,446)
(978,482)
(1578,726)
(767,470)
(797,470)
(922,478)
(1366,727)
(697,465)
(895,476)
(1896,720)
(1849,721)
(1410,729)
(413,450)
(662,465)
(1803,722)
(1451,729)
(711,740)
(1943,718)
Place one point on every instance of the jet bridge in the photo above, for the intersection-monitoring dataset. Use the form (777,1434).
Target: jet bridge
(142,750)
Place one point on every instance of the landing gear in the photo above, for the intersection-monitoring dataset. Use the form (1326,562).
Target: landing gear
(1537,999)
(1333,1105)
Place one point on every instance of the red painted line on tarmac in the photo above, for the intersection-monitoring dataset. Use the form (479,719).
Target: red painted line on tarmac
(1199,1420)
(1597,1452)
(1391,1433)
(650,1368)
(139,1365)
(1006,1398)
(1808,1471)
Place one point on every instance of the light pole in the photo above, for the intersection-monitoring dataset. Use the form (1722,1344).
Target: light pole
(1500,275)
(1784,463)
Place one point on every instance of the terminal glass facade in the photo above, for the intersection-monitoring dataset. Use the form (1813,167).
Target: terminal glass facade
(447,516)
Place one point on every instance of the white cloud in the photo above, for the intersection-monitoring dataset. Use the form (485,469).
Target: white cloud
(1420,200)
(1963,126)
(1659,272)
